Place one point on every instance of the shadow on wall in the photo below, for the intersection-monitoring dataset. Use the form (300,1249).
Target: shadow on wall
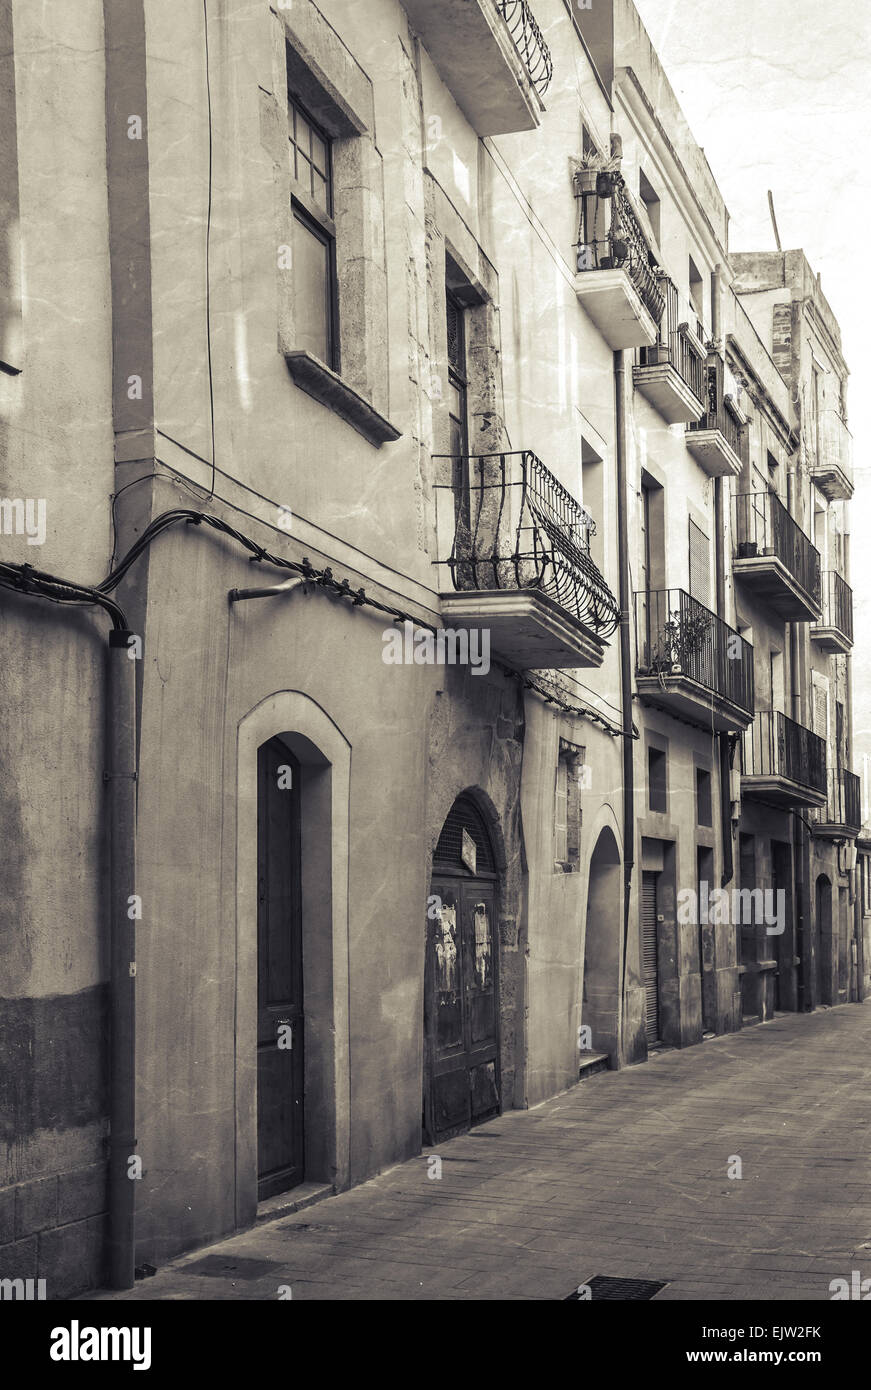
(601,984)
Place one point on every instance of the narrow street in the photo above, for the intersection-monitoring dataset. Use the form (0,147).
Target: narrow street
(626,1175)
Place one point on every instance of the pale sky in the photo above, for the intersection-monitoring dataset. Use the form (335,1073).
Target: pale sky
(778,93)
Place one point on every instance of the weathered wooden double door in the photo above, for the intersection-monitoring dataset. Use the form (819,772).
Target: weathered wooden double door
(461,1018)
(280,1018)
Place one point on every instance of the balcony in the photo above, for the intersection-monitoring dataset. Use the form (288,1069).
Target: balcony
(671,374)
(715,439)
(491,56)
(841,817)
(690,663)
(783,762)
(517,549)
(616,281)
(832,469)
(834,631)
(774,557)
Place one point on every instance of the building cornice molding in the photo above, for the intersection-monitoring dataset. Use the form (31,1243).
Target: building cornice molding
(760,393)
(639,109)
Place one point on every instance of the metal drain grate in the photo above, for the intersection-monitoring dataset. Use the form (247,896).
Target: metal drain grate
(603,1287)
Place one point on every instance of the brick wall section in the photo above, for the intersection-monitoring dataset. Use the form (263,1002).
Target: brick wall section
(781,338)
(54,1229)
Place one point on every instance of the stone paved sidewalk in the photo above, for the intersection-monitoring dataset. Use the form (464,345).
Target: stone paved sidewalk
(625,1175)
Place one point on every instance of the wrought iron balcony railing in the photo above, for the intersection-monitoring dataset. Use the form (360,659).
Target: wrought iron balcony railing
(837,604)
(717,414)
(776,746)
(529,42)
(763,526)
(673,347)
(677,635)
(843,801)
(610,237)
(516,527)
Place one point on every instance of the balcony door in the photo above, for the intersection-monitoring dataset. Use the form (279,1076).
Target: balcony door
(652,577)
(458,405)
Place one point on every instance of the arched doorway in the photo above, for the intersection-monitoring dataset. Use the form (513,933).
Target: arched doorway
(462,1081)
(291,877)
(600,987)
(823,942)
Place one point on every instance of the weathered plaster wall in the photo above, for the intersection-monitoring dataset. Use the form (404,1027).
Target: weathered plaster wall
(55,448)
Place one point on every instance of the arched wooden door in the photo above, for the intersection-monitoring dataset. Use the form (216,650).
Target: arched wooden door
(462,1082)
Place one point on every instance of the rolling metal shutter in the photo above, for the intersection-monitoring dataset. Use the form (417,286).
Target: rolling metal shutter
(649,954)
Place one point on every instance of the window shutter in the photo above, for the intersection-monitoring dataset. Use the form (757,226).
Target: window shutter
(560,820)
(700,565)
(821,712)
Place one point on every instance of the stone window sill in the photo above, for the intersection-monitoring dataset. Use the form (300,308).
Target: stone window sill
(324,385)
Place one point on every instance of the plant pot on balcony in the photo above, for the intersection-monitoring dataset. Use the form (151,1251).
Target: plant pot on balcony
(618,257)
(592,178)
(586,180)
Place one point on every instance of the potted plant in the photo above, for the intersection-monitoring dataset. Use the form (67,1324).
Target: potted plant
(681,637)
(595,173)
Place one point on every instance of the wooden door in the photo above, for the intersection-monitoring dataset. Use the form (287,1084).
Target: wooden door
(462,1081)
(280,1035)
(650,954)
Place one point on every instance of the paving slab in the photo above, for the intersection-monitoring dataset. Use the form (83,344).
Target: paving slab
(628,1174)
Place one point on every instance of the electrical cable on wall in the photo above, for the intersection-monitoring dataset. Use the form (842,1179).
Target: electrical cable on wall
(25,579)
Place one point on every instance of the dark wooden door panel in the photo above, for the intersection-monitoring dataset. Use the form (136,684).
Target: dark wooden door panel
(461,1072)
(280,1017)
(650,953)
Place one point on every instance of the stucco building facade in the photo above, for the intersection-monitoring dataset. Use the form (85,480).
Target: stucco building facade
(391,362)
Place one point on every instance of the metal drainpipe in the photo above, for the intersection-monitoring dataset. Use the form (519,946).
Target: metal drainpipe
(120,777)
(807,990)
(724,750)
(716,281)
(625,659)
(794,675)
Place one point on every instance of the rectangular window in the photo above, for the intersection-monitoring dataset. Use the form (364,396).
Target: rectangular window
(778,693)
(560,820)
(657,796)
(310,156)
(570,774)
(650,199)
(314,236)
(312,279)
(703,797)
(697,294)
